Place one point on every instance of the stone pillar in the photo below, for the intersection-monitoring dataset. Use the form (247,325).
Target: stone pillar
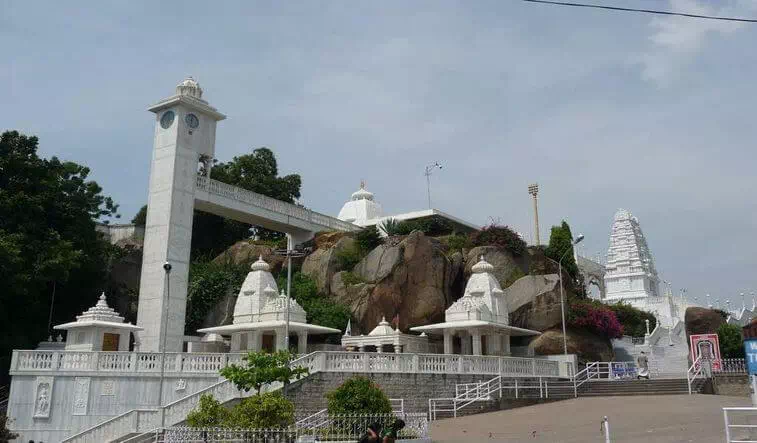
(280,339)
(379,349)
(448,342)
(505,345)
(253,341)
(302,342)
(493,344)
(361,347)
(476,343)
(236,341)
(397,349)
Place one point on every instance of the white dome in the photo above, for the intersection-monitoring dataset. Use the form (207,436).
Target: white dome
(383,328)
(482,266)
(362,194)
(260,265)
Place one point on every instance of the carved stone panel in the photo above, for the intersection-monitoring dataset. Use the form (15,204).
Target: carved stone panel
(43,392)
(109,388)
(81,395)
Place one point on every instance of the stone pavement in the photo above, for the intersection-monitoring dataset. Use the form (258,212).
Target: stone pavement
(658,419)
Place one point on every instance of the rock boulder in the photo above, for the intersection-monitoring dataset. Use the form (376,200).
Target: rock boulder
(505,264)
(411,278)
(534,302)
(244,253)
(587,346)
(323,263)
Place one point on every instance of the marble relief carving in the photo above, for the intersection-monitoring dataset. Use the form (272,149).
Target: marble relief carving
(42,395)
(81,395)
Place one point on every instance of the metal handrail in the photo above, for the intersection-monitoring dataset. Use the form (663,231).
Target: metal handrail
(729,426)
(696,367)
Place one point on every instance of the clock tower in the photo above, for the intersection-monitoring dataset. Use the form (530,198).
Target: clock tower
(185,134)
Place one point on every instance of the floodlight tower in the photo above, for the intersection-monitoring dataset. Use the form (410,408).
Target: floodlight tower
(533,190)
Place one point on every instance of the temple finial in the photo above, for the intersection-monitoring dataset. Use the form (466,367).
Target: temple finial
(362,184)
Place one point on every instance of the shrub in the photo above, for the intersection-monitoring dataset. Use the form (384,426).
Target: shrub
(358,395)
(594,317)
(632,319)
(500,236)
(389,226)
(455,242)
(347,258)
(208,283)
(367,239)
(208,414)
(262,368)
(731,341)
(269,410)
(350,278)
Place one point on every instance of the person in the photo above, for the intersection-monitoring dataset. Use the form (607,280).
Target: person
(371,434)
(389,435)
(643,365)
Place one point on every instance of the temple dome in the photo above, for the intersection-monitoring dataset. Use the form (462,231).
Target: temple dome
(362,194)
(190,87)
(622,214)
(360,207)
(383,328)
(482,266)
(100,312)
(260,265)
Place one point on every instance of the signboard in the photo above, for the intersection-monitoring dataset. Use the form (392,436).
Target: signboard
(708,347)
(750,351)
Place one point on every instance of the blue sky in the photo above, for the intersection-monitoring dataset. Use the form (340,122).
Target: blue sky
(604,110)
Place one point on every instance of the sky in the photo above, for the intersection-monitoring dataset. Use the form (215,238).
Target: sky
(603,110)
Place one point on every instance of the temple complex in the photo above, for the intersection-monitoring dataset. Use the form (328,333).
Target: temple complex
(260,316)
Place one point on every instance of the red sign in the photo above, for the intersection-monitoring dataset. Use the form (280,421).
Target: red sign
(706,346)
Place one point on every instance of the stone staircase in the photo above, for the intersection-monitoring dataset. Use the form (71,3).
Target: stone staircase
(662,386)
(666,349)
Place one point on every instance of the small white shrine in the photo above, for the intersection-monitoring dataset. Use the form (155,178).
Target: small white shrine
(479,319)
(99,328)
(260,316)
(383,336)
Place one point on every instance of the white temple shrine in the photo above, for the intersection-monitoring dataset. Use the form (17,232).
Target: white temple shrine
(99,328)
(260,316)
(383,336)
(363,210)
(478,323)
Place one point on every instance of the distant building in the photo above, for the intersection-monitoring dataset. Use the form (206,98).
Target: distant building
(114,233)
(363,210)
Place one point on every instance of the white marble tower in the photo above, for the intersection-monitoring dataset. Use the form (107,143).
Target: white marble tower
(185,129)
(630,271)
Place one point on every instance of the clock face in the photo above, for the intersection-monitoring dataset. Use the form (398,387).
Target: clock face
(167,119)
(192,121)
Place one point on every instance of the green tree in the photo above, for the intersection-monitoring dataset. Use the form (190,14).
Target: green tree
(358,395)
(367,239)
(389,226)
(48,241)
(140,219)
(500,236)
(632,319)
(209,282)
(262,368)
(731,341)
(560,242)
(263,411)
(209,413)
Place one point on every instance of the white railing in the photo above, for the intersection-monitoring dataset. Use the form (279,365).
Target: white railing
(696,371)
(136,420)
(120,362)
(271,204)
(341,427)
(731,366)
(320,418)
(746,430)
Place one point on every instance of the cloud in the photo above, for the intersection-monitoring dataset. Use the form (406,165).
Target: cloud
(676,41)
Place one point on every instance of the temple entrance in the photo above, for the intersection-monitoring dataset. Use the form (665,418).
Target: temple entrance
(269,343)
(110,342)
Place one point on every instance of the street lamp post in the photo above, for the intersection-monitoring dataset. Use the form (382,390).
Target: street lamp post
(427,173)
(562,293)
(167,269)
(289,252)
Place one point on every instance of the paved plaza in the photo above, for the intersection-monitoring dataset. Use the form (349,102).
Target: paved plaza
(658,419)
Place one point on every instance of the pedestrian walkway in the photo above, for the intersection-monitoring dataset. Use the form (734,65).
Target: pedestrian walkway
(658,419)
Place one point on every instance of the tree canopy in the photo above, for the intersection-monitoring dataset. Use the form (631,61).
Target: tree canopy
(262,368)
(560,242)
(48,241)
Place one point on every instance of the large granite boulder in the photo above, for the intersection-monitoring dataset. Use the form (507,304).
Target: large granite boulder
(323,263)
(586,345)
(410,277)
(702,321)
(534,302)
(244,253)
(505,264)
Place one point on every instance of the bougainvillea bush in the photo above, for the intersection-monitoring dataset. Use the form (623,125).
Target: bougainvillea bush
(594,317)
